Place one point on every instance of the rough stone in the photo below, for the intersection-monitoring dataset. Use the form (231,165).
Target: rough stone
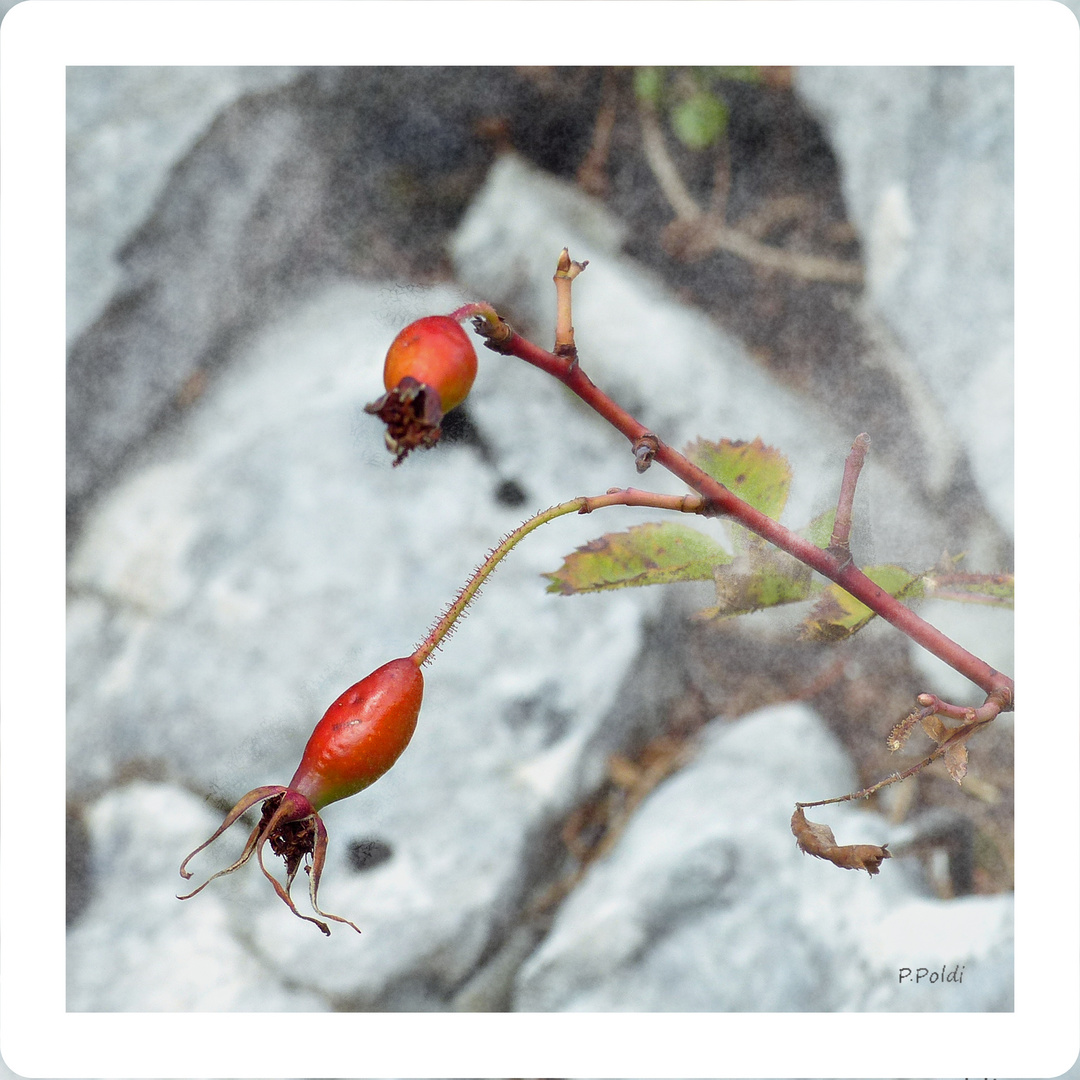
(702,907)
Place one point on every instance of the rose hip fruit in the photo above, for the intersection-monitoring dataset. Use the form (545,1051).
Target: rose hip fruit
(429,370)
(437,352)
(361,735)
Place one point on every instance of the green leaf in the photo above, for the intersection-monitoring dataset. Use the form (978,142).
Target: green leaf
(838,615)
(652,554)
(758,474)
(700,120)
(759,578)
(648,82)
(996,589)
(819,531)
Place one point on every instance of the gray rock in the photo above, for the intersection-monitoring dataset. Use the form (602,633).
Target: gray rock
(705,905)
(927,165)
(127,127)
(168,960)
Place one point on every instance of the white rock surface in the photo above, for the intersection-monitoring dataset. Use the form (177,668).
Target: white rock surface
(127,126)
(927,163)
(702,906)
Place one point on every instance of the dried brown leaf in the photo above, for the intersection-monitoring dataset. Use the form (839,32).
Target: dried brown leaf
(956,757)
(935,727)
(818,840)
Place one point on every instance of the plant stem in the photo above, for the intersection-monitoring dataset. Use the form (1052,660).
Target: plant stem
(840,543)
(721,500)
(584,504)
(982,717)
(565,273)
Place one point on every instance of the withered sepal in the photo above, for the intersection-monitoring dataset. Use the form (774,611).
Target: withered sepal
(412,412)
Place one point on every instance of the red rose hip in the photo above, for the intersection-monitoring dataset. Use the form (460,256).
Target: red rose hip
(437,352)
(429,370)
(361,735)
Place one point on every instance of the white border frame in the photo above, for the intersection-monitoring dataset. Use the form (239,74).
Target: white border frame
(1039,38)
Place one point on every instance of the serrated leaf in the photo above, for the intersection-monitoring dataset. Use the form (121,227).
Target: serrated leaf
(758,578)
(652,554)
(758,474)
(838,615)
(700,120)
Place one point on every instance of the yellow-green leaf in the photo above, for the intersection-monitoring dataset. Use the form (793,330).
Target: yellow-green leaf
(838,615)
(760,577)
(994,589)
(819,531)
(652,554)
(758,474)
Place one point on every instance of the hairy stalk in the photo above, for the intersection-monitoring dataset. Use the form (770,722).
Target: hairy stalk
(584,504)
(720,500)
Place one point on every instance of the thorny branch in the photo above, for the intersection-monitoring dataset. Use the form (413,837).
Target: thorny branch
(834,562)
(503,339)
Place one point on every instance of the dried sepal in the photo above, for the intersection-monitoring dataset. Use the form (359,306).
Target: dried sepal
(292,828)
(816,839)
(901,730)
(412,412)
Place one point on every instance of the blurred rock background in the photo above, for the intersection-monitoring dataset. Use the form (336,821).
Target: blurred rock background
(593,813)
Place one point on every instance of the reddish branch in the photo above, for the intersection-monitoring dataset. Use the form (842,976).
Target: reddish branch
(836,565)
(840,543)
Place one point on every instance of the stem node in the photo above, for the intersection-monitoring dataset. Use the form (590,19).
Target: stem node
(645,447)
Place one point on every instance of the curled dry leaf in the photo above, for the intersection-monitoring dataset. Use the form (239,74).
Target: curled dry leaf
(956,757)
(818,840)
(935,727)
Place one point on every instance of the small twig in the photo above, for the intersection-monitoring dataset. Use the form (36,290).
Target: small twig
(592,172)
(696,239)
(840,543)
(565,272)
(973,720)
(996,702)
(663,168)
(718,200)
(695,234)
